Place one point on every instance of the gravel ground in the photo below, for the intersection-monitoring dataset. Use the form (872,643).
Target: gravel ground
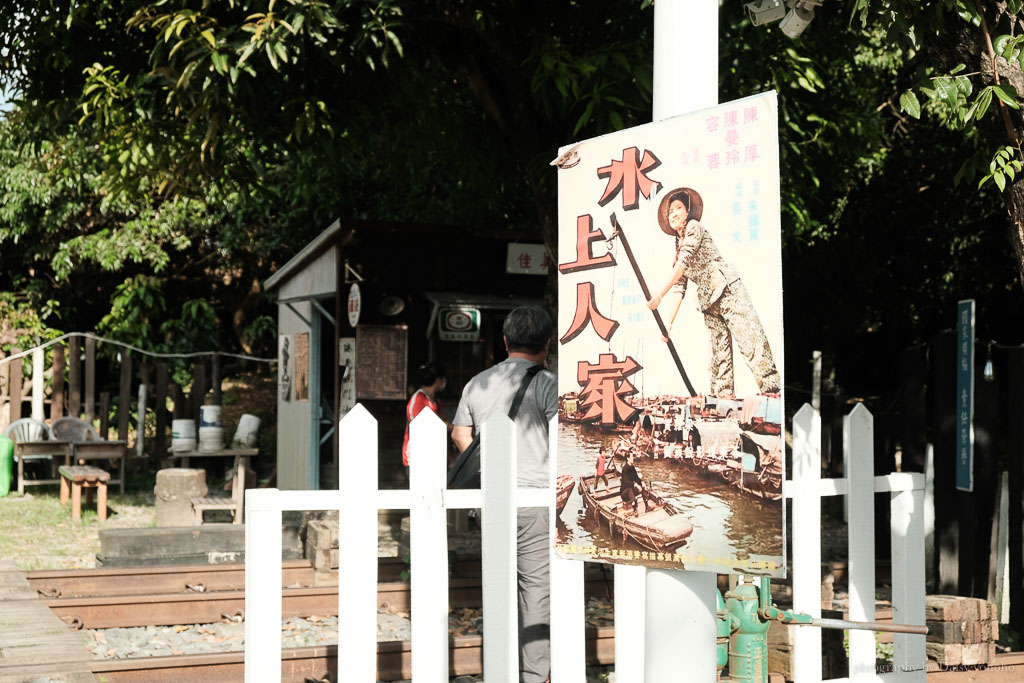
(157,641)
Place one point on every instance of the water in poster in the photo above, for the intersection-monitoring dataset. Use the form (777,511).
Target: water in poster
(670,446)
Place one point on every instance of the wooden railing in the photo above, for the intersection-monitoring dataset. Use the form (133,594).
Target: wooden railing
(69,385)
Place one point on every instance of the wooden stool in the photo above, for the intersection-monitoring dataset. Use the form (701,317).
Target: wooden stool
(89,477)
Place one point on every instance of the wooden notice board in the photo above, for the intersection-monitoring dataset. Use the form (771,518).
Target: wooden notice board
(382,354)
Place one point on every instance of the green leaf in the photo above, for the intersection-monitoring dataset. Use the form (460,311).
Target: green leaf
(910,104)
(1000,180)
(585,117)
(246,52)
(220,61)
(945,88)
(1006,94)
(281,51)
(985,100)
(208,34)
(999,43)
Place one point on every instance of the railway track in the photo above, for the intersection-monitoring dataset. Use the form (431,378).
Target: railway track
(197,594)
(171,595)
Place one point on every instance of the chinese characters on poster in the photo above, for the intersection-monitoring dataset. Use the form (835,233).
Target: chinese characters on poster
(670,447)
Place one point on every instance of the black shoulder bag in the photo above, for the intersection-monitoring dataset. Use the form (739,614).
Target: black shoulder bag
(465,473)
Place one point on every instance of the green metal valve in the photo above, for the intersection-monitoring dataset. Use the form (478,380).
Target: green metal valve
(743,620)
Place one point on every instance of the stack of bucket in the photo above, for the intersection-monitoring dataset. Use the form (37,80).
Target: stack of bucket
(211,431)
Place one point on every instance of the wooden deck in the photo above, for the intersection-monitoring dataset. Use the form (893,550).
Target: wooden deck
(33,642)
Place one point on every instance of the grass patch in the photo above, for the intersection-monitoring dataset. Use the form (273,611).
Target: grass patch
(36,531)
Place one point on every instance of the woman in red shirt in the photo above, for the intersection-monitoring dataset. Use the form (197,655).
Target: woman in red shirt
(429,377)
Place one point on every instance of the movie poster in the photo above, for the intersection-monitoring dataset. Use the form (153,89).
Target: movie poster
(285,366)
(670,439)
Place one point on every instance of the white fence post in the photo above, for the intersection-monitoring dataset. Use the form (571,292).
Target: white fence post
(357,539)
(262,586)
(39,387)
(428,548)
(907,528)
(859,456)
(630,620)
(807,541)
(568,604)
(498,535)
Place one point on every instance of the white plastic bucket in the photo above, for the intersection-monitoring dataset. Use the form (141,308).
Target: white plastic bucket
(245,435)
(209,416)
(183,435)
(211,438)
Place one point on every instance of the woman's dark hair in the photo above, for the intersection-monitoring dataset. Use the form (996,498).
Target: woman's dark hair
(683,197)
(428,373)
(528,329)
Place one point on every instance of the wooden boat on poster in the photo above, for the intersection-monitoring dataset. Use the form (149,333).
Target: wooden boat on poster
(661,527)
(563,489)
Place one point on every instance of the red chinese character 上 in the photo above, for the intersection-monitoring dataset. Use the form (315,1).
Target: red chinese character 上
(585,259)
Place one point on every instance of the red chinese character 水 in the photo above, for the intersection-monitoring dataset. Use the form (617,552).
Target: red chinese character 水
(629,176)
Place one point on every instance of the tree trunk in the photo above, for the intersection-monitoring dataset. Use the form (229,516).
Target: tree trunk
(1015,204)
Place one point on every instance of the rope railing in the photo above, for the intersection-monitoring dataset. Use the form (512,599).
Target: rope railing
(152,354)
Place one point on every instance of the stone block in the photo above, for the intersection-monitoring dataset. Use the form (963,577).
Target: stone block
(175,488)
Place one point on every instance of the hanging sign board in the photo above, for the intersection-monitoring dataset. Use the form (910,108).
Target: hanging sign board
(527,259)
(355,304)
(965,396)
(671,346)
(285,366)
(383,353)
(458,324)
(347,361)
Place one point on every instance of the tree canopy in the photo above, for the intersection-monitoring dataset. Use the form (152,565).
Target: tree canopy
(164,156)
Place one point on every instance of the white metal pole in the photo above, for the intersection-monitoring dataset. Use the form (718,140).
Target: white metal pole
(140,430)
(681,606)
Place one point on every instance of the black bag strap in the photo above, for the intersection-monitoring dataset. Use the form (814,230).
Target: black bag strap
(527,378)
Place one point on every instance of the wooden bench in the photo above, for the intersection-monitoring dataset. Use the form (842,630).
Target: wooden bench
(89,477)
(235,504)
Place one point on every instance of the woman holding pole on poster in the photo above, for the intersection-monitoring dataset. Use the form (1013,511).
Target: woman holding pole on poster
(721,295)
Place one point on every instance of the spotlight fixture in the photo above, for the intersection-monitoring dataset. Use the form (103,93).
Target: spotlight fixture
(795,15)
(765,11)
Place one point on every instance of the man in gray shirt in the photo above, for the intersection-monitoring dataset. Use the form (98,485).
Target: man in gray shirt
(527,331)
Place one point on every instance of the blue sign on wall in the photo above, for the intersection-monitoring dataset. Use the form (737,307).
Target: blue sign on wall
(965,396)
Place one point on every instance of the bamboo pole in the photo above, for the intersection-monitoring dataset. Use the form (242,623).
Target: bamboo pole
(621,236)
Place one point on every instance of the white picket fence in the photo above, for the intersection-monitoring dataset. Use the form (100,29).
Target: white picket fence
(358,500)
